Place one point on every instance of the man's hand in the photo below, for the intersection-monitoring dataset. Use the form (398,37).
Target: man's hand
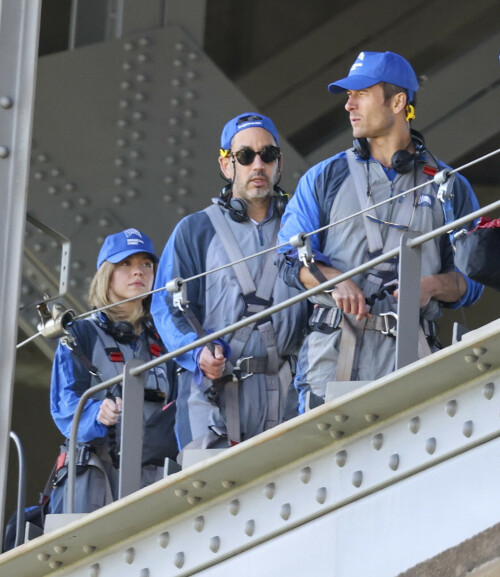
(212,365)
(110,412)
(347,296)
(448,287)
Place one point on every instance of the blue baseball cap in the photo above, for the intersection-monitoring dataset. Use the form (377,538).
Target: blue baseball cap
(243,121)
(118,246)
(373,67)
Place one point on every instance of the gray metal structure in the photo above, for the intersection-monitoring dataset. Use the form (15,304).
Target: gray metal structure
(19,25)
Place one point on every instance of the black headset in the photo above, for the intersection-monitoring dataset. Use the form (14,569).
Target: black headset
(123,331)
(402,161)
(237,207)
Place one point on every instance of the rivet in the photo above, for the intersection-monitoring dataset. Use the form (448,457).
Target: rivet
(38,247)
(42,158)
(234,507)
(286,509)
(228,484)
(185,153)
(179,46)
(125,85)
(95,570)
(137,135)
(180,492)
(141,78)
(321,495)
(70,187)
(191,75)
(414,425)
(199,523)
(55,564)
(6,102)
(140,96)
(173,140)
(121,142)
(77,265)
(134,173)
(139,115)
(84,201)
(193,500)
(189,113)
(182,191)
(394,462)
(126,66)
(144,572)
(56,172)
(193,56)
(174,102)
(451,408)
(169,179)
(88,549)
(173,121)
(141,58)
(181,211)
(39,175)
(270,490)
(190,95)
(118,181)
(214,544)
(179,560)
(468,429)
(357,478)
(176,82)
(489,390)
(66,204)
(124,103)
(135,154)
(187,133)
(305,475)
(117,199)
(144,41)
(430,445)
(341,458)
(470,358)
(340,418)
(128,46)
(371,418)
(178,63)
(132,193)
(43,556)
(4,152)
(336,434)
(323,426)
(167,198)
(479,351)
(129,555)
(483,367)
(163,539)
(184,172)
(81,219)
(377,441)
(120,161)
(250,528)
(122,123)
(104,222)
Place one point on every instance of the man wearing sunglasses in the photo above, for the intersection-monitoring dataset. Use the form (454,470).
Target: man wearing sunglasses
(241,385)
(352,328)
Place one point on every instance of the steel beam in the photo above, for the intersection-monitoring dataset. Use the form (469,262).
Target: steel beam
(19,26)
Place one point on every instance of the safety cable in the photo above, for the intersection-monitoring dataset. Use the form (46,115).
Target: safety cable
(439,178)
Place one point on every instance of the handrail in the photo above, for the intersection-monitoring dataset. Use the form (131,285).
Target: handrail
(413,242)
(21,490)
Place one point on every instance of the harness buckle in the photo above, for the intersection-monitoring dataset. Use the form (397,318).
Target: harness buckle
(242,372)
(391,327)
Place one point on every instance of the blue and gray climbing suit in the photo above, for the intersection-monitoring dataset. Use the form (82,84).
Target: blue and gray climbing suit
(257,392)
(339,348)
(89,356)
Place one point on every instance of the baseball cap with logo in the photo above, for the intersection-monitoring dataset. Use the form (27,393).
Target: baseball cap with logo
(118,246)
(243,121)
(373,67)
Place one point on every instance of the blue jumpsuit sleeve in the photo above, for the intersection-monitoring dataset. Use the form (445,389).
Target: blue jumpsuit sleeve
(302,214)
(465,202)
(181,258)
(68,377)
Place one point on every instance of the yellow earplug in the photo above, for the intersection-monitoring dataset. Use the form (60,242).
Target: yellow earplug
(223,153)
(410,112)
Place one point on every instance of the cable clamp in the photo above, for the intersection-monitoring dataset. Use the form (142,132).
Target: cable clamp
(178,289)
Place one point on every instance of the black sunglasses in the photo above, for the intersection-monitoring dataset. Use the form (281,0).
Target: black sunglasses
(246,156)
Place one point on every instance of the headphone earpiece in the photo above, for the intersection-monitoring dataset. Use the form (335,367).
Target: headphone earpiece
(236,207)
(121,331)
(280,198)
(402,161)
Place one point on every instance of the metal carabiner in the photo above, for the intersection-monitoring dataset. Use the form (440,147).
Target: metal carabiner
(390,331)
(240,371)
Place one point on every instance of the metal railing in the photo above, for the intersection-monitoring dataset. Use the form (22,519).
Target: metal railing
(406,347)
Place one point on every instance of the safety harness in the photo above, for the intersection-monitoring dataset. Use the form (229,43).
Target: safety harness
(256,299)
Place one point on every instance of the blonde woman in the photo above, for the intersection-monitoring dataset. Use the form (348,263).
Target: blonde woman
(104,341)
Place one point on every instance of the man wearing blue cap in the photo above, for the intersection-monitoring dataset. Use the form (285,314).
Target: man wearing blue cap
(347,340)
(242,385)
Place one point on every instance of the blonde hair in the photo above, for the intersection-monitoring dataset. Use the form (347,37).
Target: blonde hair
(99,297)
